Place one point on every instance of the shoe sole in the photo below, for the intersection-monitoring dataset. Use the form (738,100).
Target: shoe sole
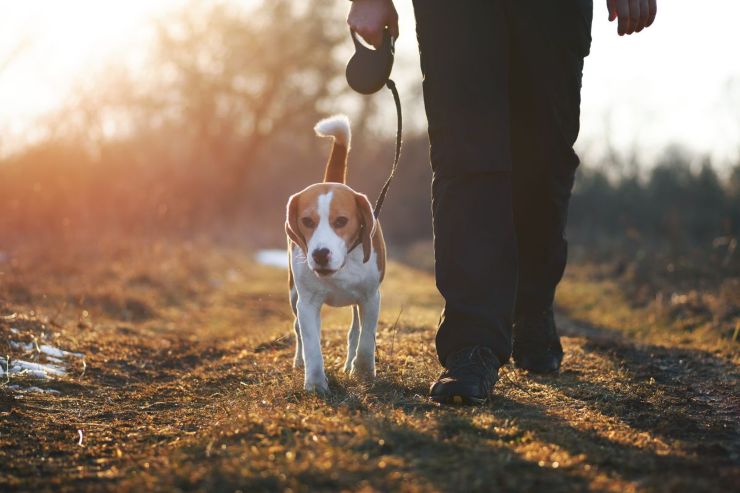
(459,400)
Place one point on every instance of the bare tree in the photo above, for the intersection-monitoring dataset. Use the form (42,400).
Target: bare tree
(234,79)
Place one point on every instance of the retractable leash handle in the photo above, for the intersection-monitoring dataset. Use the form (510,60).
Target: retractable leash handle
(368,69)
(367,72)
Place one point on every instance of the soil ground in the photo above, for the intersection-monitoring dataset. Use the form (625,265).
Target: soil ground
(187,384)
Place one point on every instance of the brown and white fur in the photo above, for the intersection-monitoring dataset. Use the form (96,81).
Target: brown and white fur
(323,222)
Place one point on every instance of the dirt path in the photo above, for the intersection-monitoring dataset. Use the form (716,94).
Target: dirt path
(187,385)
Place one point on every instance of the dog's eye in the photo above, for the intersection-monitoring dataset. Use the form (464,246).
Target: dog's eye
(340,222)
(308,222)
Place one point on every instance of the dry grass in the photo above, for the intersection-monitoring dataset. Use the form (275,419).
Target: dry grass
(675,314)
(188,386)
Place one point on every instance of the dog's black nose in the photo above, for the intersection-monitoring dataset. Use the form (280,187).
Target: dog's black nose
(321,256)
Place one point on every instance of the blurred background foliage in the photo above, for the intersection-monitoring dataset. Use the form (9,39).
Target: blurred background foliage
(217,131)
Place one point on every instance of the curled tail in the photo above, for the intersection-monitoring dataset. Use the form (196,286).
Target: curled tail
(336,127)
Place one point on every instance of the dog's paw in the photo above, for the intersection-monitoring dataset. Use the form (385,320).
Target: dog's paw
(319,386)
(362,371)
(347,366)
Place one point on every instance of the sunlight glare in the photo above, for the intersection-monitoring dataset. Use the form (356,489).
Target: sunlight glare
(62,43)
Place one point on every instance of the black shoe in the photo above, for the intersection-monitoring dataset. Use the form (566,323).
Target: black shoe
(536,342)
(468,377)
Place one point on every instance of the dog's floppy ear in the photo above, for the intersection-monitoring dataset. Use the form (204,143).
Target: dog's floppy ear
(367,224)
(291,224)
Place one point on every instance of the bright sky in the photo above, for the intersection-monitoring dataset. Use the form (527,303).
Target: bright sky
(677,82)
(62,42)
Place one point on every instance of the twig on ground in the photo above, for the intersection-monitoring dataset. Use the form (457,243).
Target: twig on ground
(158,403)
(279,343)
(393,329)
(515,383)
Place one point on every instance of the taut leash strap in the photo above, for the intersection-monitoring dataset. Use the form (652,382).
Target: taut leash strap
(399,132)
(367,71)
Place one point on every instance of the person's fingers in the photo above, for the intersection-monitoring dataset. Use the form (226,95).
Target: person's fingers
(634,16)
(394,29)
(373,36)
(372,30)
(642,22)
(623,11)
(653,5)
(393,26)
(642,16)
(611,6)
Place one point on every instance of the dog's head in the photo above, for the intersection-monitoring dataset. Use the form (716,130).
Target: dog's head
(325,220)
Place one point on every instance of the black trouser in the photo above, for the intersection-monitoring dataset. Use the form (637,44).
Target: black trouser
(502,81)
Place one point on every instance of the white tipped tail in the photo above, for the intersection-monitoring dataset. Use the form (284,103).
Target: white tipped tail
(336,126)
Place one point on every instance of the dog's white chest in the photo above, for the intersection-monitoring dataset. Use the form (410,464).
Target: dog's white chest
(353,283)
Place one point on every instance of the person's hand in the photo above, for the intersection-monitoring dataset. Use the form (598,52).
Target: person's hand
(369,18)
(634,15)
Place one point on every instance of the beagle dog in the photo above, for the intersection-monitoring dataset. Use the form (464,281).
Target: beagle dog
(336,257)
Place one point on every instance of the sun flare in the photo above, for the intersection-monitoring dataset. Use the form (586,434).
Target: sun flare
(47,46)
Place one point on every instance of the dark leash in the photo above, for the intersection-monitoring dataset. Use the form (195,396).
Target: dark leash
(367,72)
(399,130)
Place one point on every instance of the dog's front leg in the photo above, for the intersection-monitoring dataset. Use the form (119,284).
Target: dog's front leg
(353,339)
(309,318)
(364,364)
(298,358)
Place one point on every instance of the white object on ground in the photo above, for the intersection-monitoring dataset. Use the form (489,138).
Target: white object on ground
(273,258)
(35,390)
(38,370)
(55,362)
(58,353)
